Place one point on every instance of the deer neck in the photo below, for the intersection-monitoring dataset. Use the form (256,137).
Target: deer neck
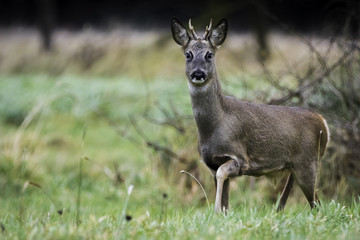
(207,106)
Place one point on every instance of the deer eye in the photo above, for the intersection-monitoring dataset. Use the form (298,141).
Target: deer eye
(209,56)
(188,56)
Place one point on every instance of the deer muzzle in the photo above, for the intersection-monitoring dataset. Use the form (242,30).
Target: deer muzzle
(198,77)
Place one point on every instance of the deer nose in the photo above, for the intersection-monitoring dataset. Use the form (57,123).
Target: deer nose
(198,75)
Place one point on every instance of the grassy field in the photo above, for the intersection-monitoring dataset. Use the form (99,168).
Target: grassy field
(80,133)
(66,172)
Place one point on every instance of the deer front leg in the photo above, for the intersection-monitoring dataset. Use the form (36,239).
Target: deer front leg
(229,169)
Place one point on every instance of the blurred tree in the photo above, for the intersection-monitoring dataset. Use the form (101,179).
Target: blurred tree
(344,16)
(46,9)
(260,28)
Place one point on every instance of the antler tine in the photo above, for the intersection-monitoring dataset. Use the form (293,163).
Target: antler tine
(207,30)
(192,30)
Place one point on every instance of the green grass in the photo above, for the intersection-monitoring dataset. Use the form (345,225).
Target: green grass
(331,221)
(164,204)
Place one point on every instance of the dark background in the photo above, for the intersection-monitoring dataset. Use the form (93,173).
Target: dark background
(322,16)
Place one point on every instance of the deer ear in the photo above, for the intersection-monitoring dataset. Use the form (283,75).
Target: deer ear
(218,33)
(179,32)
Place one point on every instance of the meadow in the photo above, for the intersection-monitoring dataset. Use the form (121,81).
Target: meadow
(94,136)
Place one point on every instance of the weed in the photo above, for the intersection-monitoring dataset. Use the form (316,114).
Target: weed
(82,157)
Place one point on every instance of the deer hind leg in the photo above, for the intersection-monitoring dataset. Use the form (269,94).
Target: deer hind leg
(229,169)
(285,194)
(306,178)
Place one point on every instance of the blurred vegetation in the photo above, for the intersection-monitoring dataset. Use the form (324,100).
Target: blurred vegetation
(128,88)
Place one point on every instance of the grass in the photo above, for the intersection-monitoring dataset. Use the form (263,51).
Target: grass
(46,194)
(331,221)
(72,165)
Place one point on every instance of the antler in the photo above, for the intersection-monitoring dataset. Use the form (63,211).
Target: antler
(207,30)
(206,34)
(191,28)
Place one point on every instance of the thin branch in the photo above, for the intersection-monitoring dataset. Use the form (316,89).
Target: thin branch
(311,84)
(121,132)
(156,147)
(269,77)
(172,118)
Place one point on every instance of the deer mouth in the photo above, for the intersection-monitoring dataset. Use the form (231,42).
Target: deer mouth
(198,77)
(198,81)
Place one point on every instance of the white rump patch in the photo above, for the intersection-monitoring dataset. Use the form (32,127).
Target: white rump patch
(327,130)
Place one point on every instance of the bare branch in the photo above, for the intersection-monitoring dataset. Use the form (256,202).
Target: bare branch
(172,118)
(312,84)
(156,147)
(121,132)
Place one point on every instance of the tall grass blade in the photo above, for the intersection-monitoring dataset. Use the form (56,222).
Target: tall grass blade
(78,200)
(123,212)
(207,200)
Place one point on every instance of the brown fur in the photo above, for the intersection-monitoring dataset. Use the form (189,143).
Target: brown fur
(241,138)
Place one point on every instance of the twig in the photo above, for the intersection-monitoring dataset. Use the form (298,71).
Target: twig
(153,145)
(270,78)
(171,119)
(121,132)
(299,91)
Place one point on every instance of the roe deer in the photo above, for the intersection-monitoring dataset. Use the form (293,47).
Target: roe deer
(241,138)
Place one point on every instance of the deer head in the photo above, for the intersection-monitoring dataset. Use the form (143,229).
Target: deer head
(199,51)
